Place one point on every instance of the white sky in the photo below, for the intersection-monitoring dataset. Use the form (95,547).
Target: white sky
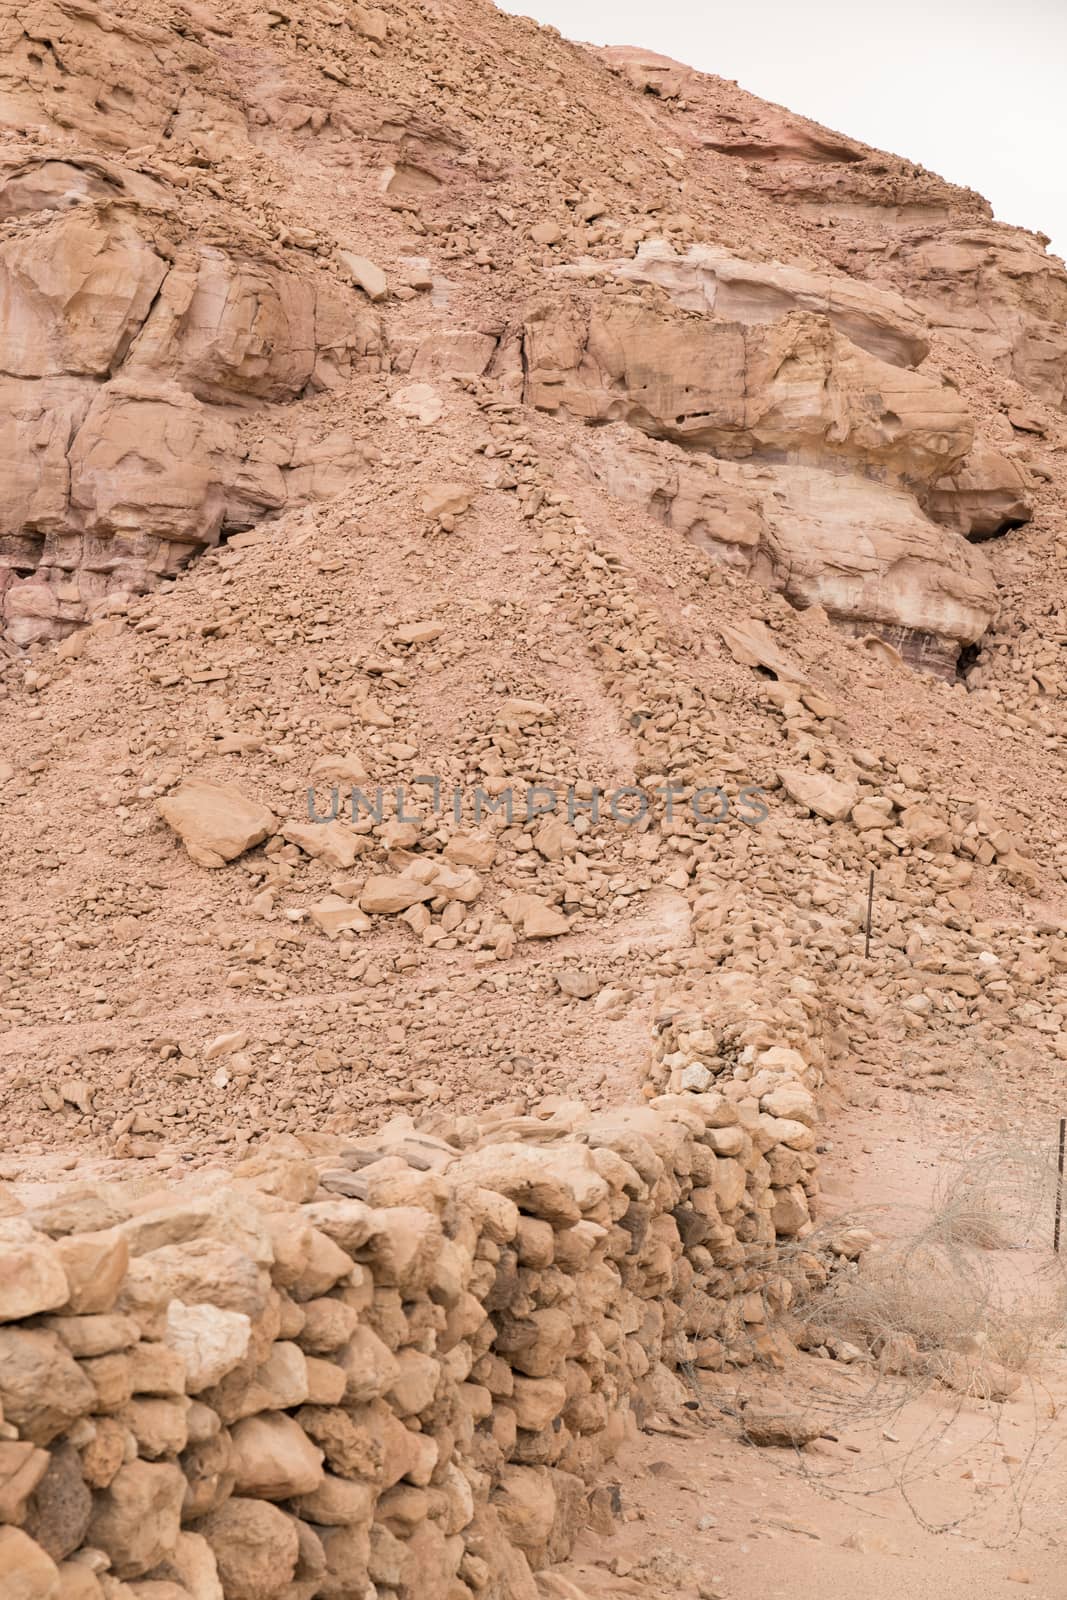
(975,90)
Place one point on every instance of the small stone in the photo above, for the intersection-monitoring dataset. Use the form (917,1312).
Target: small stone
(446,499)
(579,985)
(365,274)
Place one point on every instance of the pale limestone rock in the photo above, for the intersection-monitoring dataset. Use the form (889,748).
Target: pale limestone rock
(210,1341)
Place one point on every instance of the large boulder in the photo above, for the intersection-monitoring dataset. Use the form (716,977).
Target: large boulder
(215,821)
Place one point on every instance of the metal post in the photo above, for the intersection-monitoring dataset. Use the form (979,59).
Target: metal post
(1059,1187)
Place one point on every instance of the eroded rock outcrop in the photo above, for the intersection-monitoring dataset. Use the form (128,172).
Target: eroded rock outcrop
(711,281)
(862,549)
(124,360)
(792,390)
(996,290)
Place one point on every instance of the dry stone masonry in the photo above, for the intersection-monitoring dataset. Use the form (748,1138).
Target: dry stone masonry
(391,1370)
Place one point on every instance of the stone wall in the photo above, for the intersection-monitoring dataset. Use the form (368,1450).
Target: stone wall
(375,1372)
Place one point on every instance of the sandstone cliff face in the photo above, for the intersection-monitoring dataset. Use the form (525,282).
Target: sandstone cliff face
(174,292)
(125,352)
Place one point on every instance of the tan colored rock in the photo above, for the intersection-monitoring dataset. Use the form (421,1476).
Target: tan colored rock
(369,1367)
(364,274)
(471,850)
(340,769)
(337,1501)
(136,1521)
(74,294)
(274,1459)
(32,1279)
(215,822)
(446,499)
(867,551)
(57,1517)
(192,1564)
(22,1466)
(825,796)
(709,281)
(988,494)
(42,1390)
(537,919)
(996,290)
(95,1265)
(158,1424)
(26,1572)
(77,1582)
(331,842)
(334,915)
(797,386)
(384,895)
(420,402)
(525,1501)
(790,1100)
(149,454)
(579,985)
(256,1548)
(558,1184)
(762,1424)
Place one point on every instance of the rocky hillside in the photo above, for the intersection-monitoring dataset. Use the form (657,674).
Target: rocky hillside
(408,399)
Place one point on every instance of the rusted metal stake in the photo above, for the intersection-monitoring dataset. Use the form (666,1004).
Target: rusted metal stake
(870,908)
(1059,1187)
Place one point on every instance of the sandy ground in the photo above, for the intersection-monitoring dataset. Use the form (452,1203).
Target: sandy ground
(918,1494)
